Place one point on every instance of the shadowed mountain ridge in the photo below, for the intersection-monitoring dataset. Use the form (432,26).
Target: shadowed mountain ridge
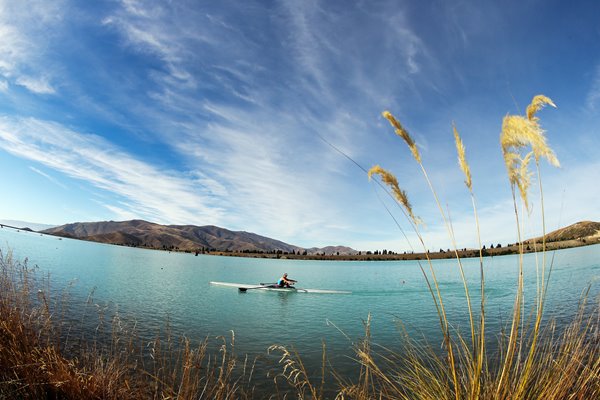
(183,237)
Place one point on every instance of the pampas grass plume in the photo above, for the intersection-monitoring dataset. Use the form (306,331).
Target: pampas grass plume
(519,132)
(524,180)
(403,133)
(462,160)
(389,179)
(536,105)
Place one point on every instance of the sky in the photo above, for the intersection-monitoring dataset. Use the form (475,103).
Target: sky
(236,114)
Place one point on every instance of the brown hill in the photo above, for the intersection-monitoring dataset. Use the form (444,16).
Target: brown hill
(181,237)
(584,230)
(140,233)
(328,250)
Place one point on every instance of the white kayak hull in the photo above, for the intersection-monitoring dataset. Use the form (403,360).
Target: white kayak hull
(245,286)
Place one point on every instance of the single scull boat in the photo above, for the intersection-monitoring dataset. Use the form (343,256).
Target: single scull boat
(244,287)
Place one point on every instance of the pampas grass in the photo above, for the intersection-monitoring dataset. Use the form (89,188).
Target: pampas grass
(534,362)
(389,179)
(462,159)
(403,133)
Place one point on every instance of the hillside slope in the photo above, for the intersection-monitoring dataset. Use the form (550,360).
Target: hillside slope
(587,230)
(182,237)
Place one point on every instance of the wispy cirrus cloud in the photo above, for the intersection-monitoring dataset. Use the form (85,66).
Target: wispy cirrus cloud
(124,213)
(158,195)
(14,48)
(35,85)
(269,187)
(147,27)
(50,178)
(24,27)
(239,108)
(255,135)
(593,96)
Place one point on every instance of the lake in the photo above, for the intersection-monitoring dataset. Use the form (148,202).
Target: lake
(156,286)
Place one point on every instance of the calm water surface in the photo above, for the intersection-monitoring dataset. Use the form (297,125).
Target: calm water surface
(156,286)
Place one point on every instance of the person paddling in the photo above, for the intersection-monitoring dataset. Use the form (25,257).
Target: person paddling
(285,282)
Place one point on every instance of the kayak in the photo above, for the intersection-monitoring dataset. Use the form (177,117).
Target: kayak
(244,287)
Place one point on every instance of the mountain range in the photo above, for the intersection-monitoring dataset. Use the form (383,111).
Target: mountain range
(141,233)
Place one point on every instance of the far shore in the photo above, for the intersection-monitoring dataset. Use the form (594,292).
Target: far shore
(528,247)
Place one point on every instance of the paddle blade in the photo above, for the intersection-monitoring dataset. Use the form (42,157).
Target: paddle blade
(242,289)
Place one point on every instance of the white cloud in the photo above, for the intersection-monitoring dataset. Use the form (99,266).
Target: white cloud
(50,178)
(122,214)
(14,49)
(309,42)
(266,189)
(153,194)
(24,28)
(570,196)
(149,28)
(38,86)
(408,44)
(136,7)
(593,96)
(3,86)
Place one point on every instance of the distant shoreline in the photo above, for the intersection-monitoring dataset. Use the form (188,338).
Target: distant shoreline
(529,247)
(468,253)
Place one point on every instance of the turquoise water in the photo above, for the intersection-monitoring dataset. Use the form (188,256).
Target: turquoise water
(156,286)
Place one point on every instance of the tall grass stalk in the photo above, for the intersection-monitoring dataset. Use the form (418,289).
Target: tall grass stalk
(400,131)
(479,352)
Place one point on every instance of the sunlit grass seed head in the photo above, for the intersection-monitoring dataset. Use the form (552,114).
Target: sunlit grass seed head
(462,160)
(519,174)
(390,180)
(403,133)
(520,133)
(537,103)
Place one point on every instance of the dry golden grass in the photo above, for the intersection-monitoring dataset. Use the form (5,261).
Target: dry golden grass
(34,364)
(524,134)
(400,195)
(462,158)
(403,133)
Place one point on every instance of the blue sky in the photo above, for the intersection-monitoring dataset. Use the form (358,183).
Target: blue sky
(199,112)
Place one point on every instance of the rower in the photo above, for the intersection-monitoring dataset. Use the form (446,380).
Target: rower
(285,282)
